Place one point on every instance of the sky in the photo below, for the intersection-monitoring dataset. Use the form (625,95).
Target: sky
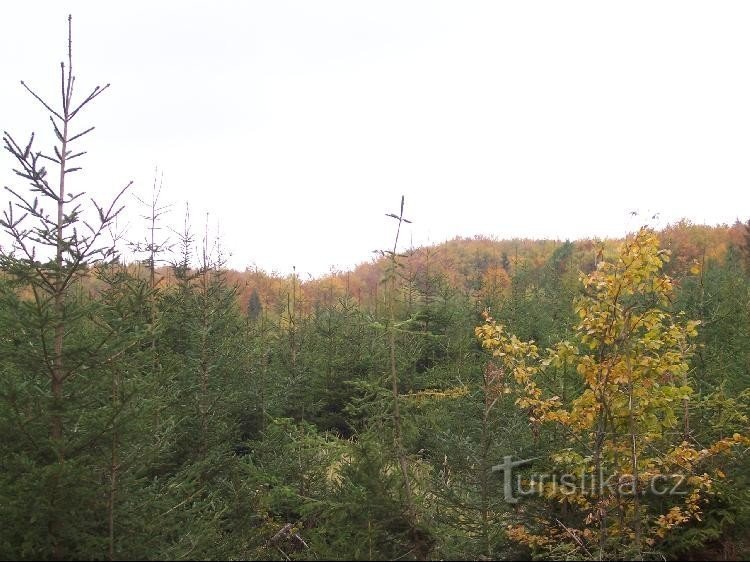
(291,128)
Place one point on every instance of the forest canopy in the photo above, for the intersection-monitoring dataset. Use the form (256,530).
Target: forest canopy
(171,408)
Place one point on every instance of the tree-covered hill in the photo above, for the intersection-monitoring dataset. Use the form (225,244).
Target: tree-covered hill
(473,400)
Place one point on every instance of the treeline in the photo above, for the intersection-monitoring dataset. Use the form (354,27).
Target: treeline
(146,417)
(480,266)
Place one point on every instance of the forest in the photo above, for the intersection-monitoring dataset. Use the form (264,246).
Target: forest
(171,408)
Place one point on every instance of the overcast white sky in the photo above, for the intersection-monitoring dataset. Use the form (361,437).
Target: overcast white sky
(299,124)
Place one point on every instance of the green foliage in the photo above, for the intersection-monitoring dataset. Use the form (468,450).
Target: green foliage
(632,356)
(167,415)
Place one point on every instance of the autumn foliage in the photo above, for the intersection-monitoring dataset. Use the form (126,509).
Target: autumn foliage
(627,428)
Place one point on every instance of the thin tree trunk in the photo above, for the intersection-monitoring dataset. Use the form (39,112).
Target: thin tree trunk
(484,469)
(634,470)
(203,400)
(398,442)
(397,433)
(56,422)
(599,475)
(114,468)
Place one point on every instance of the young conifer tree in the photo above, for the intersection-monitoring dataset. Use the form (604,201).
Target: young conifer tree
(55,241)
(391,278)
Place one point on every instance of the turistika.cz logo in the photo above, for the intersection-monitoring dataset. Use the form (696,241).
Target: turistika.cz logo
(569,484)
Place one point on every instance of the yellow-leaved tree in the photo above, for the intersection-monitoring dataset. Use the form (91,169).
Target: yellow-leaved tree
(629,470)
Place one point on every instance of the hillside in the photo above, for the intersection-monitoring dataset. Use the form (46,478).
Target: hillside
(480,264)
(476,399)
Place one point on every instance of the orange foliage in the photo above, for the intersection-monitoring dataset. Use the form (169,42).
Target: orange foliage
(481,266)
